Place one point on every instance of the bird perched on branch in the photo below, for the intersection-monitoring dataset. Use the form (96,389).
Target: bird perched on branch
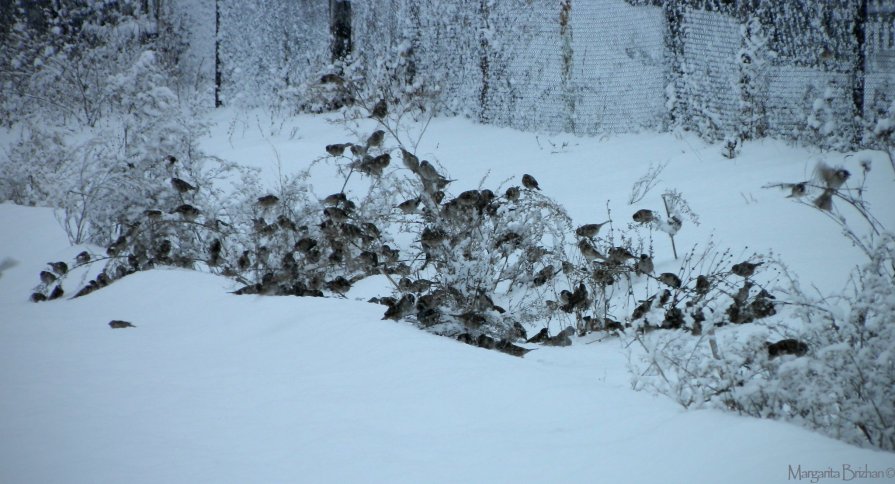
(512,194)
(588,251)
(376,138)
(589,230)
(832,177)
(825,200)
(408,207)
(644,216)
(268,200)
(670,279)
(644,265)
(401,308)
(529,182)
(410,160)
(380,110)
(337,149)
(745,269)
(59,268)
(181,186)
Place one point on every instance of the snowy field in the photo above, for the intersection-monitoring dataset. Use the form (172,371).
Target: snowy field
(213,387)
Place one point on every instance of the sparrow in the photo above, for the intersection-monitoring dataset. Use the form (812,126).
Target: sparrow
(376,138)
(471,319)
(512,194)
(118,324)
(432,237)
(187,211)
(47,277)
(745,269)
(59,268)
(420,285)
(408,207)
(644,265)
(181,186)
(380,110)
(541,336)
(588,251)
(337,149)
(702,284)
(375,166)
(153,214)
(786,347)
(335,199)
(339,285)
(428,172)
(410,160)
(670,279)
(644,216)
(832,177)
(57,293)
(469,198)
(618,255)
(401,308)
(335,214)
(331,79)
(529,182)
(243,262)
(825,200)
(82,258)
(268,200)
(797,190)
(38,297)
(543,276)
(286,223)
(589,230)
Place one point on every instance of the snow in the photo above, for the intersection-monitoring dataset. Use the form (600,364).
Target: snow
(214,387)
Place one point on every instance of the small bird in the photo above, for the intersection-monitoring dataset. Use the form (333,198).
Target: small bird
(336,149)
(541,336)
(529,182)
(543,275)
(60,268)
(588,251)
(401,308)
(703,284)
(512,194)
(153,214)
(618,255)
(644,265)
(339,285)
(336,214)
(832,177)
(380,110)
(786,347)
(119,324)
(408,207)
(56,293)
(745,269)
(471,319)
(410,160)
(376,138)
(331,79)
(825,200)
(181,186)
(432,237)
(82,258)
(797,190)
(644,216)
(47,277)
(589,230)
(670,279)
(38,297)
(243,262)
(187,211)
(469,198)
(428,172)
(335,199)
(376,165)
(268,200)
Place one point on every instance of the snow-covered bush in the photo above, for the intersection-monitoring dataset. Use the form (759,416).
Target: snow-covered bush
(829,365)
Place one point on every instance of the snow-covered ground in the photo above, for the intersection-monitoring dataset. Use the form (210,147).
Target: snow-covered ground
(213,387)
